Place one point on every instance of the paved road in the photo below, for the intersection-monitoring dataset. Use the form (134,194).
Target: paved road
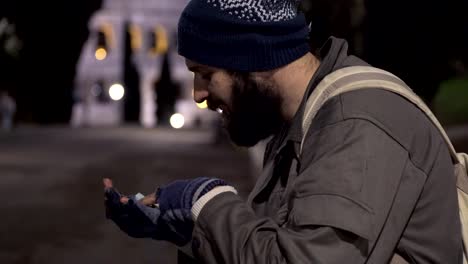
(50,188)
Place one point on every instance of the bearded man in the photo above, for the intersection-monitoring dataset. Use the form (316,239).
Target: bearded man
(371,181)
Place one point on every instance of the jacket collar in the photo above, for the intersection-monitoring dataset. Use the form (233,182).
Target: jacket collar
(332,56)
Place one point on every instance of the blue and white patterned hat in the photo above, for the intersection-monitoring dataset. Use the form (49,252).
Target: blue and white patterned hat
(243,35)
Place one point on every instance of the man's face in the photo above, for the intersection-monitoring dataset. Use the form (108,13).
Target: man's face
(250,108)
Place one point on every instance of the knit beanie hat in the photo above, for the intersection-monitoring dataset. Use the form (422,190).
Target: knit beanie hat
(243,35)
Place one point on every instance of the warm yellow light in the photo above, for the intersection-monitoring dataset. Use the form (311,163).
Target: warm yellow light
(108,31)
(162,44)
(136,37)
(202,105)
(100,54)
(177,121)
(161,41)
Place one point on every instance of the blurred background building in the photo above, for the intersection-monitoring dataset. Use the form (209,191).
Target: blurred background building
(129,69)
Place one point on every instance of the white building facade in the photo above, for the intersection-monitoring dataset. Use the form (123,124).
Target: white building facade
(152,27)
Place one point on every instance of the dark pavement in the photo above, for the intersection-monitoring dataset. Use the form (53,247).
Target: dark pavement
(51,191)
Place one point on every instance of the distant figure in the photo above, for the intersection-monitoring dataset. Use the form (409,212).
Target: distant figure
(7,110)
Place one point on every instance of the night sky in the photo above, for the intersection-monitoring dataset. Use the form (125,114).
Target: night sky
(52,33)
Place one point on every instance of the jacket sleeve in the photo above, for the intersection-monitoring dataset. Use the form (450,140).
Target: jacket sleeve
(335,211)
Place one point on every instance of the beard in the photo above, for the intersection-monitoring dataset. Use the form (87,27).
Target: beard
(255,111)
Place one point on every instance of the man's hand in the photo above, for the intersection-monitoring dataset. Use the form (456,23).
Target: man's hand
(134,217)
(166,215)
(140,218)
(176,201)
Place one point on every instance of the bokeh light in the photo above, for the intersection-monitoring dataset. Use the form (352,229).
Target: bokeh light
(100,54)
(177,121)
(116,92)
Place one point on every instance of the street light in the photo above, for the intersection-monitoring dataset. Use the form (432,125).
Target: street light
(100,54)
(177,121)
(116,92)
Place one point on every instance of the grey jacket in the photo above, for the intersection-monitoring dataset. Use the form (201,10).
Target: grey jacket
(374,178)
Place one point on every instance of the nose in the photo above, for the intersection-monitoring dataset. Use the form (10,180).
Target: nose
(200,95)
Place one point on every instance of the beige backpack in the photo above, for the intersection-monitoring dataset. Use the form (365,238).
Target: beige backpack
(365,77)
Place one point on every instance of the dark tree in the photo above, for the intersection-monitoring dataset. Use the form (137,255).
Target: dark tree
(52,34)
(414,39)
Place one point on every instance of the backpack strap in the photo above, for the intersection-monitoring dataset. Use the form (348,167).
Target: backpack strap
(364,77)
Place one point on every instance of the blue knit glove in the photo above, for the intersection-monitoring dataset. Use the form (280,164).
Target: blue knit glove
(138,220)
(132,218)
(177,199)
